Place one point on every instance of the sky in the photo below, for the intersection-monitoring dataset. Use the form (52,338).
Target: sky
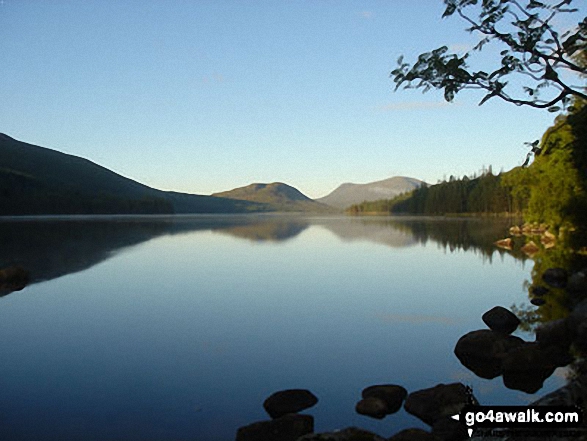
(204,96)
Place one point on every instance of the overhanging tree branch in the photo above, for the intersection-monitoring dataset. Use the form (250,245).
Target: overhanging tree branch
(533,50)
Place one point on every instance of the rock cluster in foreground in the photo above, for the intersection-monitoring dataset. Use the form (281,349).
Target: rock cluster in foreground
(489,353)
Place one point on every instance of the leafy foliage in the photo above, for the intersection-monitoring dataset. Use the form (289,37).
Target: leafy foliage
(483,194)
(533,50)
(554,186)
(552,190)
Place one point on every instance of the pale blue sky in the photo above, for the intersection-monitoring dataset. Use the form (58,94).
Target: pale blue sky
(205,96)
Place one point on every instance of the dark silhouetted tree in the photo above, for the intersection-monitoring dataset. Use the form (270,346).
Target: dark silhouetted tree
(535,55)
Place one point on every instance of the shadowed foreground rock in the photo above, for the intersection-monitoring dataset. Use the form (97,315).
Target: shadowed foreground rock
(555,277)
(381,400)
(348,434)
(373,407)
(500,319)
(289,401)
(286,428)
(440,401)
(525,368)
(13,278)
(447,429)
(483,351)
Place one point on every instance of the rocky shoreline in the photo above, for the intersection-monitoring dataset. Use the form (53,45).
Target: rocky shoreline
(489,353)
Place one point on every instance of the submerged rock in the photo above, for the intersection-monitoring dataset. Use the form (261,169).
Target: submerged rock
(289,401)
(501,320)
(442,400)
(287,428)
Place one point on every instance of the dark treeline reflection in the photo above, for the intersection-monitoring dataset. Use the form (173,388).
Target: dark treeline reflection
(53,247)
(468,234)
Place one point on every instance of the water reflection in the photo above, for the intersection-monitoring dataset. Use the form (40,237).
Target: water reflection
(191,331)
(53,247)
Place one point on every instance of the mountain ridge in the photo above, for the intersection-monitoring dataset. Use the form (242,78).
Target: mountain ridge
(38,180)
(349,193)
(282,197)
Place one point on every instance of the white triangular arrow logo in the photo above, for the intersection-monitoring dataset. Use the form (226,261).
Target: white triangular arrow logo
(470,432)
(455,417)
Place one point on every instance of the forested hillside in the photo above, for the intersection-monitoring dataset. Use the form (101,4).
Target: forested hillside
(550,190)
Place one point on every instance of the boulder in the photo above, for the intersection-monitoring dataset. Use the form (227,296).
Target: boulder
(413,435)
(559,356)
(580,340)
(578,315)
(286,428)
(442,400)
(373,407)
(537,301)
(13,278)
(504,243)
(348,434)
(530,248)
(500,319)
(555,277)
(289,401)
(555,333)
(482,351)
(525,368)
(539,291)
(548,239)
(515,231)
(392,394)
(577,283)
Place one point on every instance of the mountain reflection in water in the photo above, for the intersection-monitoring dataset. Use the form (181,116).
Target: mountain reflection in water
(51,247)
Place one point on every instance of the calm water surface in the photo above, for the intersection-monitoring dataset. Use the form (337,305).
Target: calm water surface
(179,328)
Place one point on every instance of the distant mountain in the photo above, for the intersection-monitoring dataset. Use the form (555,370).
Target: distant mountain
(38,180)
(348,194)
(278,196)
